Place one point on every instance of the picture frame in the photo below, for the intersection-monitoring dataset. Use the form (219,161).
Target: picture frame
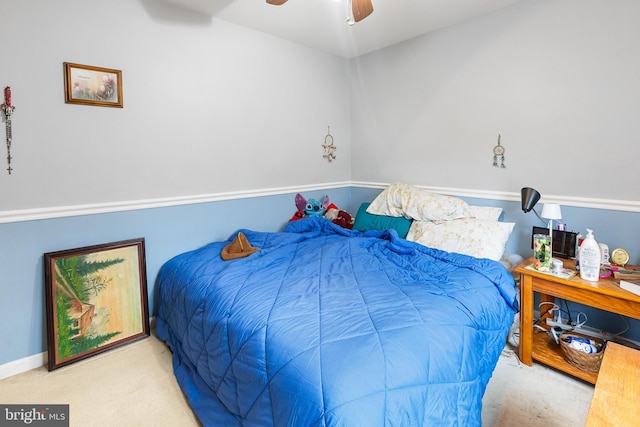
(96,300)
(89,85)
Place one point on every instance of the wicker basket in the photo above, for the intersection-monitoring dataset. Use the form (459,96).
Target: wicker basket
(589,362)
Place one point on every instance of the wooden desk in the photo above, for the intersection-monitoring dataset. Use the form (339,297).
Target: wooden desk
(604,294)
(616,398)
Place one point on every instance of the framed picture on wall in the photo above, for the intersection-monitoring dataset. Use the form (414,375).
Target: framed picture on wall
(88,85)
(96,299)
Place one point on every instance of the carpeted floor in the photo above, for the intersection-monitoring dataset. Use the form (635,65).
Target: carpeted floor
(534,396)
(134,386)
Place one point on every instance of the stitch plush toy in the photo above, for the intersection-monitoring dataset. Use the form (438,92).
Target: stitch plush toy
(311,207)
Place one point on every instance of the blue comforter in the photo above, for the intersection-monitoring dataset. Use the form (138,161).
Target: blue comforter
(330,327)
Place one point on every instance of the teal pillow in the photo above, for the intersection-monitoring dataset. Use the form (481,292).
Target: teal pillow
(366,221)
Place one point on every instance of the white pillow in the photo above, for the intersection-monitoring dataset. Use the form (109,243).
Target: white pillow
(421,205)
(469,236)
(486,213)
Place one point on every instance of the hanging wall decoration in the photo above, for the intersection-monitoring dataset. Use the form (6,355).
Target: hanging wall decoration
(8,110)
(498,155)
(88,85)
(329,147)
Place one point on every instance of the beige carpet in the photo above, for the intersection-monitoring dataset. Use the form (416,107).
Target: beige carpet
(131,385)
(534,396)
(134,386)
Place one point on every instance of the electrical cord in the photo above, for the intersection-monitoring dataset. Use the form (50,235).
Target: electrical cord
(578,323)
(582,319)
(626,322)
(566,304)
(554,307)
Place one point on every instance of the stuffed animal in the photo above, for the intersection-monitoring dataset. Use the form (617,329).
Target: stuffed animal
(330,211)
(296,216)
(311,207)
(339,217)
(344,220)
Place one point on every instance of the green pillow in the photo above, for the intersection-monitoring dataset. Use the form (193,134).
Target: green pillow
(366,221)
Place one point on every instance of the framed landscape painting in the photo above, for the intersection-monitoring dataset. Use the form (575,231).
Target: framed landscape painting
(89,85)
(96,299)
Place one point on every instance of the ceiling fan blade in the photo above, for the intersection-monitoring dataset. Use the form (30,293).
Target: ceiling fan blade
(277,2)
(361,9)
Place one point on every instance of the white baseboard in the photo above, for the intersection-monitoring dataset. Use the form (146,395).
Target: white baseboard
(25,364)
(22,365)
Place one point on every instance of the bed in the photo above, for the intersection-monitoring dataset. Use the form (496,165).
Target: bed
(324,326)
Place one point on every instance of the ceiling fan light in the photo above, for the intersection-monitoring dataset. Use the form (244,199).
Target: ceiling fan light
(277,2)
(361,9)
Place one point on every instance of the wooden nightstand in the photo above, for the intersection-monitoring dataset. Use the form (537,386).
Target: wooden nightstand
(604,294)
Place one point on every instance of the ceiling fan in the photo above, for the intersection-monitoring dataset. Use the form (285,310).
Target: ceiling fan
(360,8)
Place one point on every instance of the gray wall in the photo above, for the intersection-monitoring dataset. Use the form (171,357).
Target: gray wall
(558,79)
(209,106)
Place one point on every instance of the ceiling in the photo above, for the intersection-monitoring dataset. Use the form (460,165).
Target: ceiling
(322,23)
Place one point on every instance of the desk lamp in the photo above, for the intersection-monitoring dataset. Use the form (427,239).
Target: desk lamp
(551,211)
(529,198)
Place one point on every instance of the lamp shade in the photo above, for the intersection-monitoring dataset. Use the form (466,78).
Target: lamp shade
(551,211)
(529,198)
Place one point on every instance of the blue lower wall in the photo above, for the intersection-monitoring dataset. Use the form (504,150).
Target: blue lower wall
(169,231)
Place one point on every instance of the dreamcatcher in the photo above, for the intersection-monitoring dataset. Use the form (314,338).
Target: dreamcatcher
(329,146)
(498,155)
